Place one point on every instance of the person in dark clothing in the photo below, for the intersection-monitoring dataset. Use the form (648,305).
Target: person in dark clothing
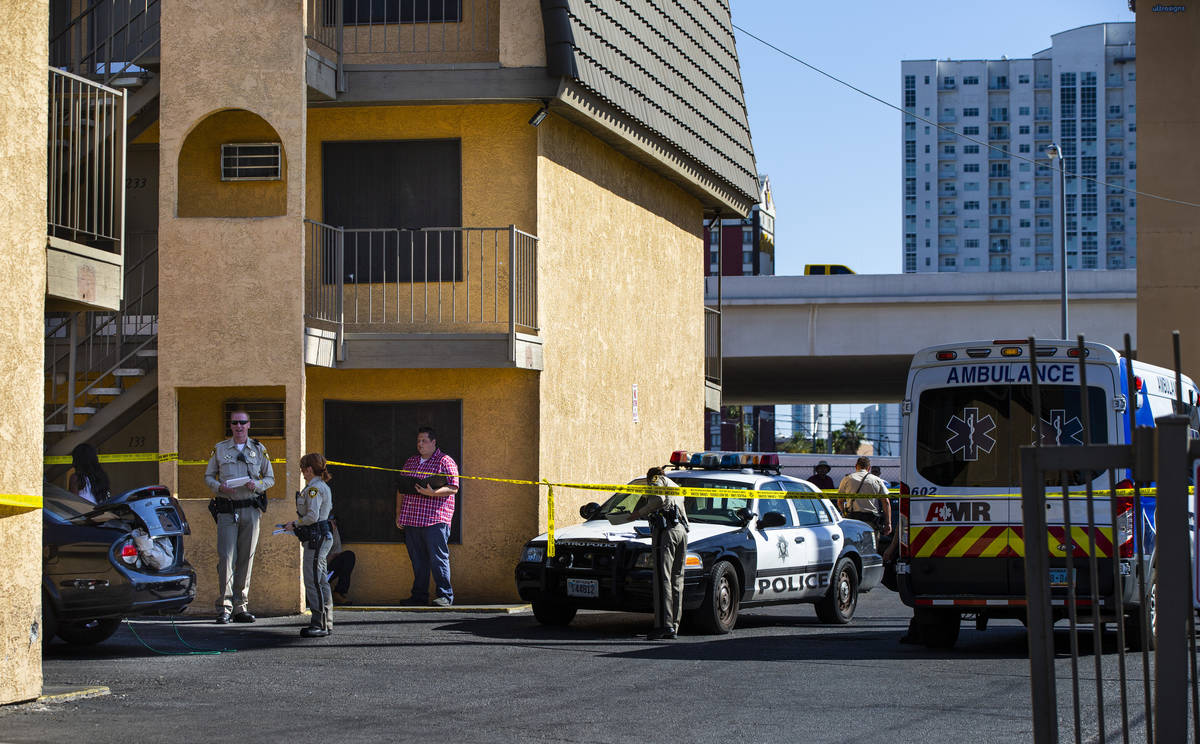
(341,565)
(820,477)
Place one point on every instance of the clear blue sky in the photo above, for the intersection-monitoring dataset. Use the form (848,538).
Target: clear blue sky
(833,155)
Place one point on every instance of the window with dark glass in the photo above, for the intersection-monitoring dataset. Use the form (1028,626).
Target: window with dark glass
(391,196)
(360,12)
(971,436)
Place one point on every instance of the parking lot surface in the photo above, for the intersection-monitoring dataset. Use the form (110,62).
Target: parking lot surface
(397,676)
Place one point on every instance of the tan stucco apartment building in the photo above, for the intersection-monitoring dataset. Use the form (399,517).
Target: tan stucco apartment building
(352,219)
(1168,165)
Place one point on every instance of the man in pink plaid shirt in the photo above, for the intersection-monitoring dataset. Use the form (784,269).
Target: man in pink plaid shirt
(425,517)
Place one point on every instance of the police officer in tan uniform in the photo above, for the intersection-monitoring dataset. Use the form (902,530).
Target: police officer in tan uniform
(239,473)
(313,505)
(668,537)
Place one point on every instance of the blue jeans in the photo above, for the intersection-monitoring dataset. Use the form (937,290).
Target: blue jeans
(429,552)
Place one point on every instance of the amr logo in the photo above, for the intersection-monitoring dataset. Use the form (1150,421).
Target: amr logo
(1059,430)
(970,434)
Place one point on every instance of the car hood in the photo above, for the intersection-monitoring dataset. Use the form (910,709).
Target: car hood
(639,532)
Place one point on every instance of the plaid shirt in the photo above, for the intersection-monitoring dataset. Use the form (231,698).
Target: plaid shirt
(424,511)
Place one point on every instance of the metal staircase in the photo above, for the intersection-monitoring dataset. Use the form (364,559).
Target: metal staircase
(101,366)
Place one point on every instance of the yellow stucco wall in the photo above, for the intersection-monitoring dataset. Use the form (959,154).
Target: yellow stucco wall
(23,126)
(202,193)
(500,435)
(230,289)
(620,273)
(1168,116)
(275,584)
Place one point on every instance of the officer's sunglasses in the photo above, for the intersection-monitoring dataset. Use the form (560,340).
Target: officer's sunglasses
(239,423)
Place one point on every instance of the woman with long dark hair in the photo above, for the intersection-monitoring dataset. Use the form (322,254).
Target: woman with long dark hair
(88,480)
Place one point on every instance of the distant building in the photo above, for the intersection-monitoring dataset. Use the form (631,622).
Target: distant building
(979,206)
(744,247)
(881,427)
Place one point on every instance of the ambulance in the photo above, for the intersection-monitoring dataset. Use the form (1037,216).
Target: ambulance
(967,410)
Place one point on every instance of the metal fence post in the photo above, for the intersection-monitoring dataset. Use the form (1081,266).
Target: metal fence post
(1173,587)
(1037,604)
(512,293)
(340,307)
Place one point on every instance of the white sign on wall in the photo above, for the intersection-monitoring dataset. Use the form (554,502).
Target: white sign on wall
(635,410)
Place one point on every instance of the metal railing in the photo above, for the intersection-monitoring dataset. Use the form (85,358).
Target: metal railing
(712,345)
(108,40)
(83,350)
(86,162)
(422,280)
(406,31)
(1146,598)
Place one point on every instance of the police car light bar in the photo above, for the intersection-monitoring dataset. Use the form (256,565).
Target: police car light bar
(725,460)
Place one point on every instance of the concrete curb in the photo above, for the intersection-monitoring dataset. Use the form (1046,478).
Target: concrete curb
(66,693)
(477,609)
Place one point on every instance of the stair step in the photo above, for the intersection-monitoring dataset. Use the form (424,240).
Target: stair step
(128,372)
(147,353)
(85,410)
(57,428)
(107,391)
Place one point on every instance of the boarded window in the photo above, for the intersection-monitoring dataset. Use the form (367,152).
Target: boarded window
(384,435)
(382,193)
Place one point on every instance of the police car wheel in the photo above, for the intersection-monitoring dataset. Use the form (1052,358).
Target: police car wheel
(88,633)
(553,613)
(838,605)
(718,614)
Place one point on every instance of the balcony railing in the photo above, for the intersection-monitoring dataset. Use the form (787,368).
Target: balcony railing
(86,162)
(462,280)
(420,32)
(712,345)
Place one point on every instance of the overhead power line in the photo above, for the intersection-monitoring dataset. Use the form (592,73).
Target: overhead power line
(950,130)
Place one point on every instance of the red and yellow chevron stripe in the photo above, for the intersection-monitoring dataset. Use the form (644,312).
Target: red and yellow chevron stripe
(998,541)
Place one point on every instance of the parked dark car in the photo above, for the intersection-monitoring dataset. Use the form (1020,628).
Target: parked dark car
(93,572)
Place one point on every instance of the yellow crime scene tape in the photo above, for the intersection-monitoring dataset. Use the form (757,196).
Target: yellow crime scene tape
(687,492)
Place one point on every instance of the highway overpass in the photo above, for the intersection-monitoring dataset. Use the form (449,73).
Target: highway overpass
(845,339)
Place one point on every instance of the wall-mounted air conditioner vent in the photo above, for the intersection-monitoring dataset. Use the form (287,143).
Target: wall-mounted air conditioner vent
(250,161)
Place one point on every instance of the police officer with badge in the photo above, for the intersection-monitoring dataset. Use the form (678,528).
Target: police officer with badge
(668,537)
(239,473)
(314,531)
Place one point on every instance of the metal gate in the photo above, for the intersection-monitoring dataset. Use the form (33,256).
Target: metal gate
(1146,596)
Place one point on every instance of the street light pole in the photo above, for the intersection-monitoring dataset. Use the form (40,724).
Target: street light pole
(1054,152)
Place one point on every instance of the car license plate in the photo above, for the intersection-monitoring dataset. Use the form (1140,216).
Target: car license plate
(1058,577)
(587,588)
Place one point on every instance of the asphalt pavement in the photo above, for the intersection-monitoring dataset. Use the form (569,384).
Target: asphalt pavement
(457,677)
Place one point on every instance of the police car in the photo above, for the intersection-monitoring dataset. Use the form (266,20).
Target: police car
(742,552)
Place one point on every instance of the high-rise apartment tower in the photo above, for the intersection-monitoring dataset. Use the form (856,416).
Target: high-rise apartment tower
(979,192)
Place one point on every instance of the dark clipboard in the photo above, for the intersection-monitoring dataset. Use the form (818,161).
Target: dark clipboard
(408,483)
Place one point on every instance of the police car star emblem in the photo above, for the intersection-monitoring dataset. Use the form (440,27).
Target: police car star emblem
(782,545)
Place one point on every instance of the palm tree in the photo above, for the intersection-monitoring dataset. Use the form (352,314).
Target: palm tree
(847,439)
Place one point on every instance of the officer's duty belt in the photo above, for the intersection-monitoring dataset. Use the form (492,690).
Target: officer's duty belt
(229,506)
